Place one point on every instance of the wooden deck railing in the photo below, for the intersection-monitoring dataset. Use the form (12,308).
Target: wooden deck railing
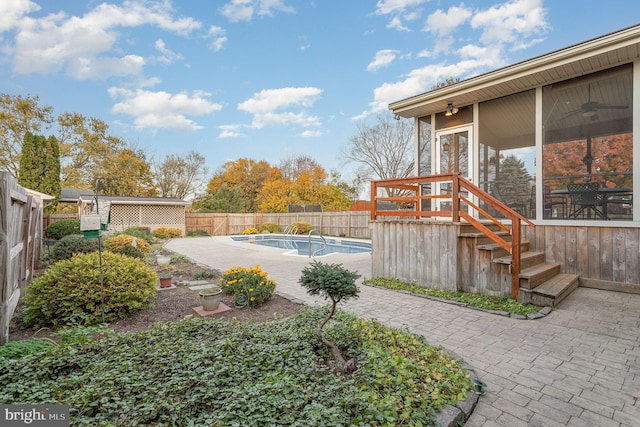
(459,195)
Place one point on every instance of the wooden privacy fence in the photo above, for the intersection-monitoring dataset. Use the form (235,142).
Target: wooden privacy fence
(20,241)
(348,224)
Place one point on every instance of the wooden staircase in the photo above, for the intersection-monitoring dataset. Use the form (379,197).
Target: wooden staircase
(540,283)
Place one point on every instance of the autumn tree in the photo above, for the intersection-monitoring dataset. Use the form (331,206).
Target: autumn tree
(382,150)
(85,146)
(178,176)
(126,173)
(246,174)
(19,115)
(301,180)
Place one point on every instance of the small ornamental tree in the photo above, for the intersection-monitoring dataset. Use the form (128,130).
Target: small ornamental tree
(336,283)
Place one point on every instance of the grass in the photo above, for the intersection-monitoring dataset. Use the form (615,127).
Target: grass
(488,302)
(204,372)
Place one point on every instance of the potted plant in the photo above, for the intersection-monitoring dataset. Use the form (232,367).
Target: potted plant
(163,258)
(210,298)
(165,279)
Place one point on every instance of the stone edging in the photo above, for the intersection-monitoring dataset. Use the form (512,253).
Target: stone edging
(543,312)
(451,416)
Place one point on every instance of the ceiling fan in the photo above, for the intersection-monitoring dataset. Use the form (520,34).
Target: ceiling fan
(590,108)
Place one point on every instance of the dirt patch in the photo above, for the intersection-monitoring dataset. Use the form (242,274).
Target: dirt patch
(174,304)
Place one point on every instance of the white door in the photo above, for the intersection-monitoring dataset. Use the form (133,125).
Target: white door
(453,154)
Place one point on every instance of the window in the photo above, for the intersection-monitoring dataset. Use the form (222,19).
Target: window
(588,139)
(507,151)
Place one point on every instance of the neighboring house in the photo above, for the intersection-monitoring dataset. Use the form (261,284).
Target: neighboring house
(555,138)
(152,212)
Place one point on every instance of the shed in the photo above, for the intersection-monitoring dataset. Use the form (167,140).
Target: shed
(151,212)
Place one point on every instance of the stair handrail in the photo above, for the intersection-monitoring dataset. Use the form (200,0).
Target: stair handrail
(324,245)
(415,185)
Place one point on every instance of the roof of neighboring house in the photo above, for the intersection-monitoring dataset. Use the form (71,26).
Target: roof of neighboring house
(74,195)
(71,195)
(610,50)
(124,200)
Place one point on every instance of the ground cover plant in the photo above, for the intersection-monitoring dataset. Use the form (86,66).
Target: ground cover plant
(488,302)
(204,372)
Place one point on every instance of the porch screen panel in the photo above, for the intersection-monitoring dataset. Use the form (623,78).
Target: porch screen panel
(588,140)
(424,156)
(506,162)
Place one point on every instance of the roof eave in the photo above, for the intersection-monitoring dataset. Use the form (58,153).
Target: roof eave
(574,53)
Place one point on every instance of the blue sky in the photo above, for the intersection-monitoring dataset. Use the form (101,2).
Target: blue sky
(269,79)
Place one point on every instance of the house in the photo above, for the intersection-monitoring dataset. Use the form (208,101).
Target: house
(524,179)
(125,212)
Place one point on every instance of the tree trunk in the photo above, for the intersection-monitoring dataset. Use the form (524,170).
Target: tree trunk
(344,366)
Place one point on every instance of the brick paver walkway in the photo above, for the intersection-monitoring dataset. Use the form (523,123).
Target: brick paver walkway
(579,366)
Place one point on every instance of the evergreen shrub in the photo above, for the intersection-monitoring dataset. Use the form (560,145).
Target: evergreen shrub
(117,243)
(73,244)
(250,230)
(64,227)
(167,232)
(69,293)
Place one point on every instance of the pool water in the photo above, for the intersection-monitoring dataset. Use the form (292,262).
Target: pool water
(299,245)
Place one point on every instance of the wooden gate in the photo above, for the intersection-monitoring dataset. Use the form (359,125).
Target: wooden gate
(20,240)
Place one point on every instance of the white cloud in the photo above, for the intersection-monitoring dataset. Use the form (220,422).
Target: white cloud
(400,10)
(84,44)
(244,10)
(311,133)
(443,24)
(265,104)
(509,22)
(396,24)
(383,58)
(219,37)
(386,7)
(156,110)
(167,56)
(12,11)
(101,68)
(230,131)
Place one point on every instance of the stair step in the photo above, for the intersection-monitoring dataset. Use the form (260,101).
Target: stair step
(532,277)
(468,228)
(527,259)
(497,250)
(551,292)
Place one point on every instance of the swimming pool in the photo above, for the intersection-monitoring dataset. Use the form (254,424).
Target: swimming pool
(299,245)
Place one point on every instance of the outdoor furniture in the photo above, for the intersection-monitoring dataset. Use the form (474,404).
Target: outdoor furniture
(619,206)
(552,202)
(606,196)
(585,198)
